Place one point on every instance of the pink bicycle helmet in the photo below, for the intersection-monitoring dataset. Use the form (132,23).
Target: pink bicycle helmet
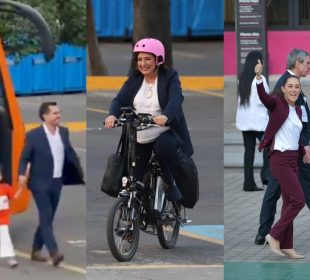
(153,46)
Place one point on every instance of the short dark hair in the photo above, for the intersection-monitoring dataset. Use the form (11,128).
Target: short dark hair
(44,108)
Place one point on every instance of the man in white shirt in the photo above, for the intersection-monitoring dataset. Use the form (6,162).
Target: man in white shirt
(53,163)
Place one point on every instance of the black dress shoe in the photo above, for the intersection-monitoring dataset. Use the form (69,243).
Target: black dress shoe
(259,239)
(57,258)
(252,189)
(36,256)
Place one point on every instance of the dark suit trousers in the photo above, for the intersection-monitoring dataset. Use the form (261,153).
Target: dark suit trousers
(249,141)
(165,149)
(283,166)
(273,193)
(47,202)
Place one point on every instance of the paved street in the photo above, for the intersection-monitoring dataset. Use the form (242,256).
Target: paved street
(196,255)
(201,58)
(243,259)
(71,214)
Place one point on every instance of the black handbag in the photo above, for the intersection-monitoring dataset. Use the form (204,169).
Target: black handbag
(187,179)
(115,169)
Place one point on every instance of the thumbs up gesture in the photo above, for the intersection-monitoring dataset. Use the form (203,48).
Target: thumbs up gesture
(258,69)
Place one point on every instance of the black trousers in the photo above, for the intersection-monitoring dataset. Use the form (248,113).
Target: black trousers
(165,149)
(249,141)
(273,193)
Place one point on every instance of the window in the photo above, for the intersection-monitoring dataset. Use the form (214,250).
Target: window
(304,12)
(281,14)
(278,13)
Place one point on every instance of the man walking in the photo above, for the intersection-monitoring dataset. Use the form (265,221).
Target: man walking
(53,162)
(298,64)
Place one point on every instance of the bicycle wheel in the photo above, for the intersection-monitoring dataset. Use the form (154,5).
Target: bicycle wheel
(123,230)
(168,225)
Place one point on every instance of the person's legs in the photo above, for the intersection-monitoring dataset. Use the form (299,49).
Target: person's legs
(304,178)
(45,210)
(249,141)
(284,167)
(165,149)
(269,206)
(143,155)
(265,171)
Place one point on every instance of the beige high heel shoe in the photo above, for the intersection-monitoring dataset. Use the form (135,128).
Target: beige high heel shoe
(274,245)
(292,254)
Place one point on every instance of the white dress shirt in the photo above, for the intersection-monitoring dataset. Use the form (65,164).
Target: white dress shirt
(304,115)
(57,149)
(287,137)
(253,116)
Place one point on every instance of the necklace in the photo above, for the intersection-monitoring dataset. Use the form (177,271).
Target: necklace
(149,91)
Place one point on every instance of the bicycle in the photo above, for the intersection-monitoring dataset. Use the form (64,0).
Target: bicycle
(141,205)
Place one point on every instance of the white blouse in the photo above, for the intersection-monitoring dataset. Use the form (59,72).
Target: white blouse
(253,116)
(287,137)
(146,101)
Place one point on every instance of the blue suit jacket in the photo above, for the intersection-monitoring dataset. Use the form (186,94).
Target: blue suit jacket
(38,153)
(170,100)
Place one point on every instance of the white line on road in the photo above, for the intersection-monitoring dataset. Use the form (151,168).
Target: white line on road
(153,266)
(62,265)
(80,149)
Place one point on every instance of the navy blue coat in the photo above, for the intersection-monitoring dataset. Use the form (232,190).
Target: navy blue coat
(170,99)
(38,153)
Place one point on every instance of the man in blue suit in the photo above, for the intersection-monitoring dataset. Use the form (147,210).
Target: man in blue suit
(53,163)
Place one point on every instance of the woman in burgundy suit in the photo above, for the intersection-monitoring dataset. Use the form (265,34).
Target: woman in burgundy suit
(282,137)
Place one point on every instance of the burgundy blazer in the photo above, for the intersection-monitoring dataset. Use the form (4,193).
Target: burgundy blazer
(278,113)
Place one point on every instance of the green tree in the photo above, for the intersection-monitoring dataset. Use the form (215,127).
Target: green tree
(66,18)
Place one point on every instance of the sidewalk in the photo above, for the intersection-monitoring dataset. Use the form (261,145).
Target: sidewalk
(243,259)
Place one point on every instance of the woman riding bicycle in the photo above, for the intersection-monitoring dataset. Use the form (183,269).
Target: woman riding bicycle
(154,89)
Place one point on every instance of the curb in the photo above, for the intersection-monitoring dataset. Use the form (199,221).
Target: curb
(72,126)
(188,82)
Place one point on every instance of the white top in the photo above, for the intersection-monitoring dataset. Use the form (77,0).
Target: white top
(146,101)
(4,202)
(253,116)
(304,115)
(287,137)
(58,151)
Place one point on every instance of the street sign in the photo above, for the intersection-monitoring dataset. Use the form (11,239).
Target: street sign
(251,32)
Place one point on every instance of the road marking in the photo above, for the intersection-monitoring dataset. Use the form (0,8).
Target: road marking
(210,93)
(210,233)
(73,126)
(62,265)
(77,243)
(187,82)
(153,266)
(200,237)
(97,110)
(80,149)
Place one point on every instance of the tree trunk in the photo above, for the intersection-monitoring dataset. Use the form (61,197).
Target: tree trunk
(152,19)
(97,67)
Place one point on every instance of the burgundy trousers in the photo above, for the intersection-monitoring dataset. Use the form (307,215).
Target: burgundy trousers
(283,166)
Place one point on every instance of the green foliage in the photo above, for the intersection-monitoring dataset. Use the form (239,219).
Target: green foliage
(66,19)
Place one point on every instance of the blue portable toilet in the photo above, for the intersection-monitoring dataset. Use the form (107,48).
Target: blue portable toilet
(73,68)
(21,77)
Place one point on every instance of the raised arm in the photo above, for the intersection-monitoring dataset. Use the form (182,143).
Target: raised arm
(264,97)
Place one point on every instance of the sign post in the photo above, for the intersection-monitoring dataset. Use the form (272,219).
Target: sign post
(251,32)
